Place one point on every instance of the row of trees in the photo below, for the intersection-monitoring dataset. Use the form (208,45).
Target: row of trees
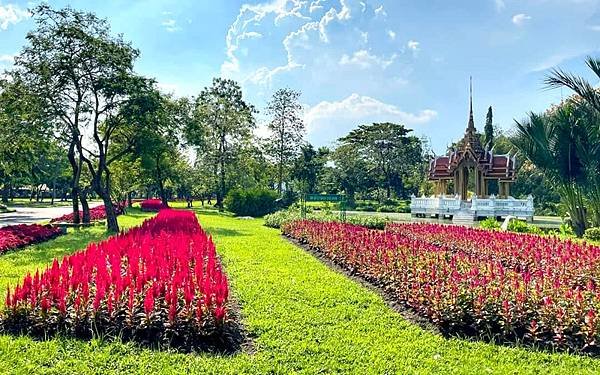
(74,115)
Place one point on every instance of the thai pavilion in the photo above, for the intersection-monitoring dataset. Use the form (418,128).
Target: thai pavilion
(471,166)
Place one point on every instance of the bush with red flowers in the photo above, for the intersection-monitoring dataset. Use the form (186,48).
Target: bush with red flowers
(96,214)
(153,205)
(497,285)
(159,284)
(16,236)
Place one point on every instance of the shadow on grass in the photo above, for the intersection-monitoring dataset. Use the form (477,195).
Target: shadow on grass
(224,232)
(46,252)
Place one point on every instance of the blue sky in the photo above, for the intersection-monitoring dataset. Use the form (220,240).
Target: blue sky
(356,61)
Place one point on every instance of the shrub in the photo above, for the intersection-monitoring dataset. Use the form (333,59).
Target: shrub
(512,287)
(160,283)
(251,202)
(489,223)
(592,234)
(151,205)
(519,226)
(387,208)
(17,236)
(372,222)
(279,218)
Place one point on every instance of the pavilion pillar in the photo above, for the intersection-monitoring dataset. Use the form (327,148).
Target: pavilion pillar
(507,189)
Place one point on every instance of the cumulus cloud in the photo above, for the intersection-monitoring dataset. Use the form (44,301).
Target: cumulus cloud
(11,14)
(520,19)
(341,116)
(316,36)
(364,60)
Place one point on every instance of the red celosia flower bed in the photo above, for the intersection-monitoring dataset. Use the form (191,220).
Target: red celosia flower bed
(152,205)
(15,236)
(504,286)
(96,214)
(160,283)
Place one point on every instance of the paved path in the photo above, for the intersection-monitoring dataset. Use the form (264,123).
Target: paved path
(29,215)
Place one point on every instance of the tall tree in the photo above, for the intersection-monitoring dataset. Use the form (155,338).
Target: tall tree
(550,143)
(287,131)
(489,128)
(223,123)
(308,167)
(84,75)
(391,153)
(23,133)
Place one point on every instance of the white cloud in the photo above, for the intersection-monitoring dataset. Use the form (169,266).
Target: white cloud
(171,25)
(7,58)
(413,45)
(500,5)
(520,19)
(391,34)
(357,109)
(380,11)
(11,14)
(316,5)
(364,60)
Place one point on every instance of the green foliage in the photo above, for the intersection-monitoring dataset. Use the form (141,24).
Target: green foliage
(251,202)
(489,223)
(521,226)
(277,219)
(221,130)
(592,234)
(286,132)
(369,221)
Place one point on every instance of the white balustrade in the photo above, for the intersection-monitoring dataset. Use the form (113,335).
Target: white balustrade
(479,207)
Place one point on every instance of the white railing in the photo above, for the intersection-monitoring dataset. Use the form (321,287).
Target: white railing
(478,207)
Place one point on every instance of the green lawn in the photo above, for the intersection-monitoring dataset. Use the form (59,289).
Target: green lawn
(303,317)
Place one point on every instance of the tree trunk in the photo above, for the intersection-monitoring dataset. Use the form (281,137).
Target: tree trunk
(85,207)
(53,192)
(129,199)
(74,182)
(221,191)
(5,193)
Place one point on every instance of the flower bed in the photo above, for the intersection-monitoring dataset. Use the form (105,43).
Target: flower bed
(159,284)
(96,214)
(16,236)
(502,286)
(153,205)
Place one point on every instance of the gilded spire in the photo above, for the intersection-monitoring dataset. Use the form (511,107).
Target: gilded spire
(471,125)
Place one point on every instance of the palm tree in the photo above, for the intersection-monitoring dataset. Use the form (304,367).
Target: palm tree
(550,142)
(587,110)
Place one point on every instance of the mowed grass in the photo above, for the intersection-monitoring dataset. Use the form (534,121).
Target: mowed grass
(302,316)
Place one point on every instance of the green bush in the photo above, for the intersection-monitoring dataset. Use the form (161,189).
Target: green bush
(277,219)
(387,208)
(520,226)
(372,222)
(251,202)
(489,223)
(592,234)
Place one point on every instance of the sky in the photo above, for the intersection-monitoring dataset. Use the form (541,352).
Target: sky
(355,62)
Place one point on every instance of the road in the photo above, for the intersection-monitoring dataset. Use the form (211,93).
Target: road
(29,215)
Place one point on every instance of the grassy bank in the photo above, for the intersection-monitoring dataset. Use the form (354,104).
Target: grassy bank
(302,316)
